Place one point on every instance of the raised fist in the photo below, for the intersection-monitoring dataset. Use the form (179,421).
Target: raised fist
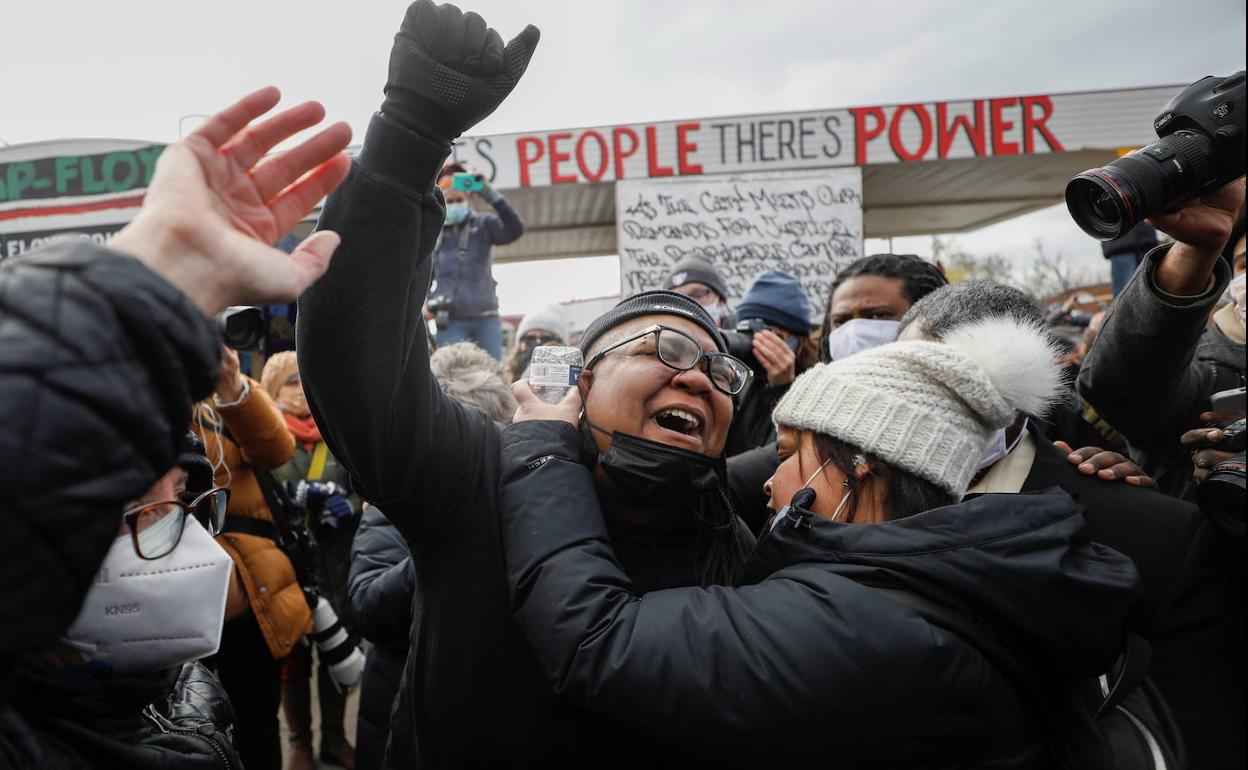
(448,70)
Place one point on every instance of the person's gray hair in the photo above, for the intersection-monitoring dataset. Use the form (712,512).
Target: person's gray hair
(966,302)
(471,376)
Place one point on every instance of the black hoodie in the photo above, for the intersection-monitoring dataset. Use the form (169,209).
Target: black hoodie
(807,660)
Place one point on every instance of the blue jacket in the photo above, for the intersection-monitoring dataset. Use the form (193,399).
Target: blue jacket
(467,279)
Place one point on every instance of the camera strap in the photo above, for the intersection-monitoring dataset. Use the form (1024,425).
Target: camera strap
(464,232)
(245,525)
(298,546)
(320,455)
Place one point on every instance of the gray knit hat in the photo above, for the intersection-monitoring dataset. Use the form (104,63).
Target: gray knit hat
(929,407)
(552,318)
(695,270)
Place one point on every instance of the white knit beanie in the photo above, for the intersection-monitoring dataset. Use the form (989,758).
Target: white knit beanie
(930,407)
(552,318)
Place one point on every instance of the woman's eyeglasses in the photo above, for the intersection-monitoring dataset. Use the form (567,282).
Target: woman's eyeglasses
(156,528)
(682,353)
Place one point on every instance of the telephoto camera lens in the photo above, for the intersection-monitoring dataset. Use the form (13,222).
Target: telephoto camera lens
(338,650)
(1200,147)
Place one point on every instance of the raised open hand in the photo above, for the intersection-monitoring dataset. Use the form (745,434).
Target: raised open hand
(216,205)
(448,70)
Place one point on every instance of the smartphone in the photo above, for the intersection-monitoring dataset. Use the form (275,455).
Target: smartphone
(467,182)
(1228,401)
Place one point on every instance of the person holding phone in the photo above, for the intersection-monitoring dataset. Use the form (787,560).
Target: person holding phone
(463,301)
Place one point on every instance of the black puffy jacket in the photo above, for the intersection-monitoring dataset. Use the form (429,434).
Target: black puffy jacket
(807,661)
(100,361)
(380,588)
(176,719)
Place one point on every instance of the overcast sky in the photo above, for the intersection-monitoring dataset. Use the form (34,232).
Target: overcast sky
(131,68)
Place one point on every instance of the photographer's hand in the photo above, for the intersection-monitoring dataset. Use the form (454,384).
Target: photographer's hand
(448,70)
(1200,229)
(487,193)
(230,382)
(215,205)
(777,358)
(1199,441)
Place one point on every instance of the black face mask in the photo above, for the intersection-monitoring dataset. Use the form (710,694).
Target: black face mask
(657,473)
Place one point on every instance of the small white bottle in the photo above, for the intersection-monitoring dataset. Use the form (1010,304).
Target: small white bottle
(554,369)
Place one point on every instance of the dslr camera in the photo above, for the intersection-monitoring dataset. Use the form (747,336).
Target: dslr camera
(441,309)
(1200,147)
(741,341)
(338,649)
(241,327)
(1221,494)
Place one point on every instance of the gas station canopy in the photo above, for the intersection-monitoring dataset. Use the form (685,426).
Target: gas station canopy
(931,167)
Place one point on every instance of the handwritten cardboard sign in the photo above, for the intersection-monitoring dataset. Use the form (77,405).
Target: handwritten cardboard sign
(808,223)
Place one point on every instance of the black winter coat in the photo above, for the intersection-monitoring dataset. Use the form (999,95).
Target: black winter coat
(177,719)
(473,694)
(807,661)
(100,361)
(380,588)
(1188,607)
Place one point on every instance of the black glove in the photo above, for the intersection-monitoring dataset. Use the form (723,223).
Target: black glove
(448,70)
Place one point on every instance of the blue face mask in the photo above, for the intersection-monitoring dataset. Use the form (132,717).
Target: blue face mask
(456,213)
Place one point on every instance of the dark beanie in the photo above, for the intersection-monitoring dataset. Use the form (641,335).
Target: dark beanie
(697,270)
(200,476)
(777,298)
(651,303)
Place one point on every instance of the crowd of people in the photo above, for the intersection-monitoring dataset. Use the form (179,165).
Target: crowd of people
(913,530)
